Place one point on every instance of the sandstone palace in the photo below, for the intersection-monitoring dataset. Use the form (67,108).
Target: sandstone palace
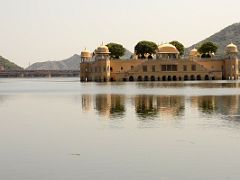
(166,65)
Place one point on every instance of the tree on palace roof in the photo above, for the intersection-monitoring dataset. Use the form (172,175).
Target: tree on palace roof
(145,47)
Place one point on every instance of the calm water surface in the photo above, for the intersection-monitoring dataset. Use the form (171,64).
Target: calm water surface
(61,129)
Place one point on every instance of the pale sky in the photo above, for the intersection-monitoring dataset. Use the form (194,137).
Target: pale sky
(41,30)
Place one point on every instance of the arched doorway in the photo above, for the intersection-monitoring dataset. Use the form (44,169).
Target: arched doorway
(192,77)
(90,79)
(131,78)
(139,78)
(111,79)
(180,78)
(124,79)
(82,79)
(174,78)
(164,78)
(213,78)
(186,78)
(206,77)
(169,78)
(159,79)
(145,78)
(199,77)
(152,78)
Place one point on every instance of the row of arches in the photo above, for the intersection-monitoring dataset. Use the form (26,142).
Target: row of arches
(153,78)
(169,78)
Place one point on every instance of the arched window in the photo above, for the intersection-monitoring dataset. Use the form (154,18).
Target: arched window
(192,77)
(206,77)
(164,78)
(174,78)
(199,77)
(139,78)
(152,78)
(145,78)
(131,78)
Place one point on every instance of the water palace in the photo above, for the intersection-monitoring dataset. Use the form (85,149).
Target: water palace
(165,66)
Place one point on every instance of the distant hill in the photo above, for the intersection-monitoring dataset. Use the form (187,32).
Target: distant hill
(8,65)
(127,54)
(222,38)
(72,63)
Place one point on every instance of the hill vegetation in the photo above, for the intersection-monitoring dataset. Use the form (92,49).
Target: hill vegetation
(222,39)
(8,65)
(71,63)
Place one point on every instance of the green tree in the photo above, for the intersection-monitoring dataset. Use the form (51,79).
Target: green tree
(208,47)
(179,46)
(116,50)
(144,47)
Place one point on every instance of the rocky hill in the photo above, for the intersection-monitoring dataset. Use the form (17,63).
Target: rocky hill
(127,54)
(222,38)
(72,63)
(8,65)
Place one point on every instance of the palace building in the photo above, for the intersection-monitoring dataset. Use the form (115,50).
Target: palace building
(166,65)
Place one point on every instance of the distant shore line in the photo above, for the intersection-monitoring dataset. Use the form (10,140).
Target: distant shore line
(38,73)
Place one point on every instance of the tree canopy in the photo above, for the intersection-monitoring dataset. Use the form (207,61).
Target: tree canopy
(208,47)
(179,46)
(144,47)
(116,50)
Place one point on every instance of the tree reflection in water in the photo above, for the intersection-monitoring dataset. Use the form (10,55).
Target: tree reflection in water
(151,107)
(146,106)
(207,104)
(112,106)
(224,105)
(117,106)
(154,107)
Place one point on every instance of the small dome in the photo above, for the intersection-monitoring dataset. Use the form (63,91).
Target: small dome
(102,50)
(167,48)
(231,48)
(194,52)
(86,54)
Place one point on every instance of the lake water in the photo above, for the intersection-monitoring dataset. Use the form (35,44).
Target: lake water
(61,129)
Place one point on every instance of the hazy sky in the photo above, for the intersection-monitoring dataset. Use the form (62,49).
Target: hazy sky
(41,30)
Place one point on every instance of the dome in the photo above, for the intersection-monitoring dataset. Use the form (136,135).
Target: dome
(102,50)
(194,52)
(85,54)
(231,48)
(167,48)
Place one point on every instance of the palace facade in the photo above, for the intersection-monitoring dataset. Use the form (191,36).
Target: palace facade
(166,65)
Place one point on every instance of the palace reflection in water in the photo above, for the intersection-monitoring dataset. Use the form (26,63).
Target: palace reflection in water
(105,105)
(163,107)
(131,130)
(227,106)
